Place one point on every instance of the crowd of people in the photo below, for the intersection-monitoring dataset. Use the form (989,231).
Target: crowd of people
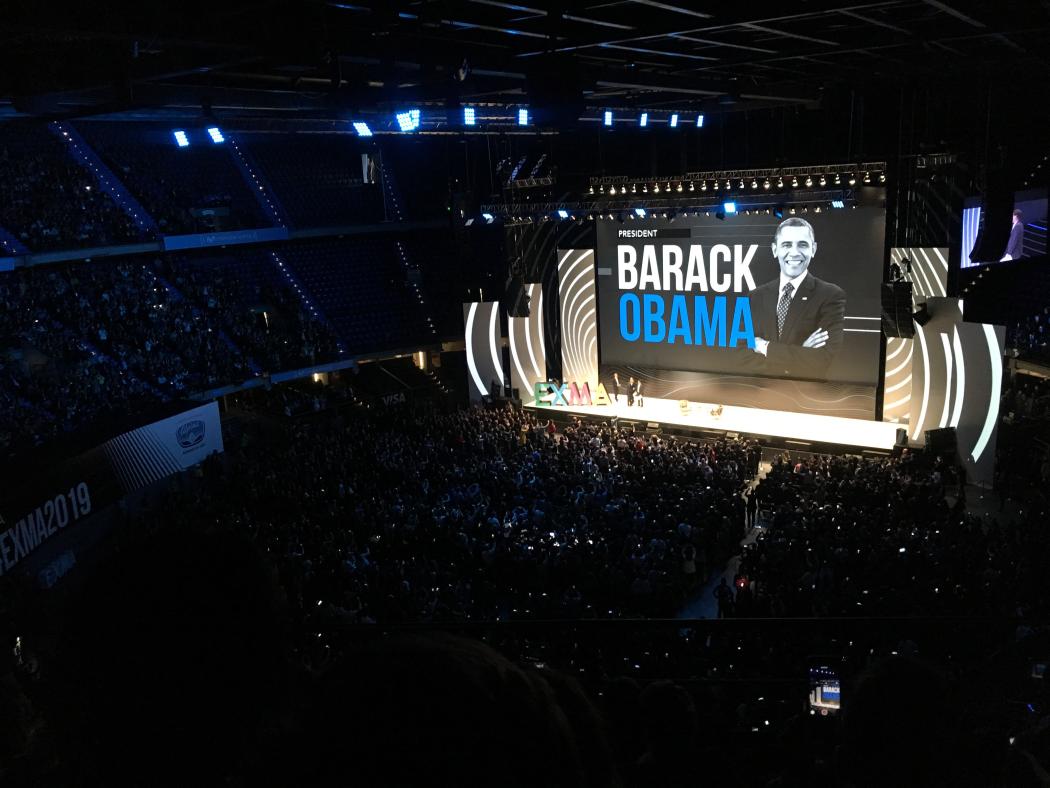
(1030,336)
(851,536)
(80,341)
(486,515)
(271,587)
(48,201)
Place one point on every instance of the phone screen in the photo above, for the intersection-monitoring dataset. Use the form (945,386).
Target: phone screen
(825,690)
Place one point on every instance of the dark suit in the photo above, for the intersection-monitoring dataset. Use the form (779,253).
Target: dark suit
(817,304)
(1015,246)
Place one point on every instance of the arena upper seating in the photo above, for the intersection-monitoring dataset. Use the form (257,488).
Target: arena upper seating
(318,178)
(186,190)
(48,201)
(362,287)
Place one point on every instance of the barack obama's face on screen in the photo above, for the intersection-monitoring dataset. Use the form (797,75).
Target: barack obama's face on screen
(794,247)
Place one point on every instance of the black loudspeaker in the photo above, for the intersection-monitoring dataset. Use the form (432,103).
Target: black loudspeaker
(902,437)
(517,298)
(922,315)
(942,441)
(896,310)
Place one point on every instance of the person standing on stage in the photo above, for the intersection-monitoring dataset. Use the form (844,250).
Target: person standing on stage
(638,393)
(630,391)
(1015,246)
(616,387)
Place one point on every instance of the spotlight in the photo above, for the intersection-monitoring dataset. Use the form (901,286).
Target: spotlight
(408,120)
(612,190)
(754,184)
(741,183)
(601,189)
(488,217)
(680,187)
(692,186)
(523,117)
(469,116)
(703,186)
(674,121)
(792,211)
(639,212)
(563,214)
(794,183)
(181,139)
(817,209)
(728,184)
(809,180)
(729,207)
(608,117)
(823,181)
(852,180)
(867,178)
(838,204)
(591,190)
(645,188)
(699,121)
(780,183)
(216,135)
(644,120)
(656,188)
(634,188)
(667,187)
(362,129)
(882,177)
(765,183)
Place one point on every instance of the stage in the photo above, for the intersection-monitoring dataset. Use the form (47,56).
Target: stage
(792,428)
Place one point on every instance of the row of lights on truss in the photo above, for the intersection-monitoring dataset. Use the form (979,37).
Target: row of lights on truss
(182,138)
(726,209)
(667,187)
(674,120)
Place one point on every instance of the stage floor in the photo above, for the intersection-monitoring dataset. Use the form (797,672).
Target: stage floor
(802,427)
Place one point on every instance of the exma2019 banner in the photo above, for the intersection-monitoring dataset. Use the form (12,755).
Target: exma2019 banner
(796,297)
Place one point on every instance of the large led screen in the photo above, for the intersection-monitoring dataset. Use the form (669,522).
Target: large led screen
(792,297)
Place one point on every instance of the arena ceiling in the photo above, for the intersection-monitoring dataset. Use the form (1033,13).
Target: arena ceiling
(325,60)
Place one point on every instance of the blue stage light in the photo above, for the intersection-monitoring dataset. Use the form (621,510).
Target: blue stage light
(181,139)
(838,204)
(639,212)
(523,117)
(644,120)
(469,116)
(408,120)
(729,207)
(674,121)
(488,217)
(216,135)
(608,117)
(362,129)
(699,121)
(563,214)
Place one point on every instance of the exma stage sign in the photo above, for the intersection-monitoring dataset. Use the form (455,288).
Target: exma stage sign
(567,394)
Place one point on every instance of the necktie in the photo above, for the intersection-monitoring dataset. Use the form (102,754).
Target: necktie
(782,307)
